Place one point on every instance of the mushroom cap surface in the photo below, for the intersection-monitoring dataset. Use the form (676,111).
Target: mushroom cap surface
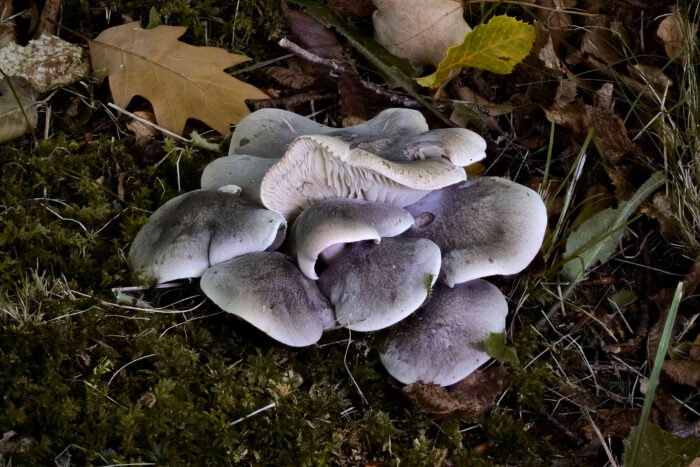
(373,286)
(458,145)
(269,132)
(484,226)
(267,290)
(338,221)
(245,171)
(442,343)
(192,231)
(320,167)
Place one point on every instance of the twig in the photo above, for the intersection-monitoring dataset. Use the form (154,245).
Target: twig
(576,439)
(260,65)
(267,407)
(352,378)
(146,122)
(48,18)
(133,361)
(71,31)
(534,5)
(339,67)
(289,101)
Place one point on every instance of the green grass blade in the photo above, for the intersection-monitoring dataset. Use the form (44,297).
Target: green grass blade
(636,442)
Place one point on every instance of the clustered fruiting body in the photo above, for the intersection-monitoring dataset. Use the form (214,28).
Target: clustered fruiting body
(379,213)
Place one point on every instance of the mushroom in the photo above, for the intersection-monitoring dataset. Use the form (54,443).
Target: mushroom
(269,132)
(321,167)
(327,225)
(442,342)
(269,292)
(483,226)
(373,286)
(244,171)
(190,232)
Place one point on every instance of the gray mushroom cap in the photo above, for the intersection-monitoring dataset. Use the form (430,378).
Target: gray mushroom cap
(442,343)
(245,171)
(338,221)
(321,167)
(269,132)
(190,232)
(483,226)
(373,286)
(267,290)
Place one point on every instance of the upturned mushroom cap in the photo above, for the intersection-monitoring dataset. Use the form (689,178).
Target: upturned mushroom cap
(190,232)
(322,167)
(338,221)
(269,292)
(373,286)
(442,343)
(483,227)
(269,132)
(245,171)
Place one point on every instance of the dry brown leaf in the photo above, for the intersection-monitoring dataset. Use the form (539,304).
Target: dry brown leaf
(603,38)
(609,128)
(13,121)
(419,30)
(474,395)
(7,25)
(671,33)
(292,77)
(695,349)
(140,129)
(312,35)
(554,16)
(683,371)
(491,109)
(46,63)
(357,100)
(180,80)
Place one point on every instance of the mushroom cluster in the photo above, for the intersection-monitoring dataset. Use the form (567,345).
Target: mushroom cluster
(385,232)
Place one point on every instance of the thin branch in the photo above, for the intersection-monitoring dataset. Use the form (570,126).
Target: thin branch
(339,67)
(146,122)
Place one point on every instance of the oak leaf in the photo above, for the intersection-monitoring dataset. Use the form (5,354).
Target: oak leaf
(180,80)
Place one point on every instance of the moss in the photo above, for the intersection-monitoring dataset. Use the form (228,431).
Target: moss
(245,26)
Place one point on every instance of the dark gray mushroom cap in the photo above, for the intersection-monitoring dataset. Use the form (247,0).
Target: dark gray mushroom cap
(483,226)
(338,221)
(442,343)
(373,286)
(267,290)
(269,132)
(190,232)
(245,171)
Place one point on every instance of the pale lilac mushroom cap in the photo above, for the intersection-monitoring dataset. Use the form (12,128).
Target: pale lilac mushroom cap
(484,226)
(269,132)
(190,232)
(330,224)
(321,167)
(244,171)
(442,343)
(373,286)
(267,290)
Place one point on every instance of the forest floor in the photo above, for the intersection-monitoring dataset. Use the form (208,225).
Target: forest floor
(608,97)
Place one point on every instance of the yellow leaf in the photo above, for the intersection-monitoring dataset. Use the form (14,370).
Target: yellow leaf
(180,80)
(496,46)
